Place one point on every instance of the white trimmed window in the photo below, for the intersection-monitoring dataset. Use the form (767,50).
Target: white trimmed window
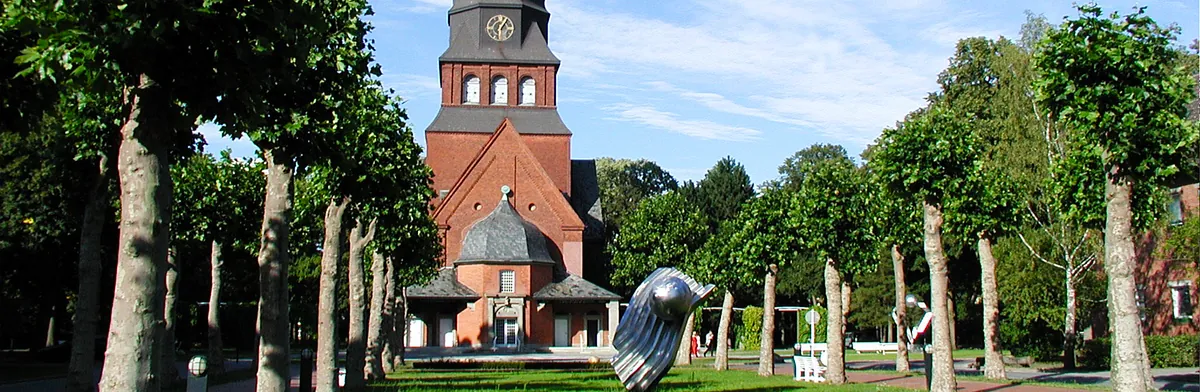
(508,281)
(1181,299)
(471,90)
(500,91)
(528,91)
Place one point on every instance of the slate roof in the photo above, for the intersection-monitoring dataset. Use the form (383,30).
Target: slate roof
(444,285)
(585,197)
(470,43)
(573,287)
(485,119)
(503,236)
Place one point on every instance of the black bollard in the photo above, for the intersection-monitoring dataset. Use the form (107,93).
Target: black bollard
(928,368)
(306,370)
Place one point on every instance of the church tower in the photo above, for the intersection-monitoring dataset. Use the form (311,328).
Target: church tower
(519,219)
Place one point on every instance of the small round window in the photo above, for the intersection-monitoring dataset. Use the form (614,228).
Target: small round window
(532,207)
(478,206)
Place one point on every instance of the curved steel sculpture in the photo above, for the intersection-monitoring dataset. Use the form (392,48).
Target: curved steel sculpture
(652,327)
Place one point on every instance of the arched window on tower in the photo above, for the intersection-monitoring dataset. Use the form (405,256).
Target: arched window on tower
(471,90)
(500,91)
(528,91)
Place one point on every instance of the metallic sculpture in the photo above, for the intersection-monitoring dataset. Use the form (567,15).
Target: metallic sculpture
(652,327)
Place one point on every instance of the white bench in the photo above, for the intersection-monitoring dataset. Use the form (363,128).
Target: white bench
(875,347)
(810,347)
(808,369)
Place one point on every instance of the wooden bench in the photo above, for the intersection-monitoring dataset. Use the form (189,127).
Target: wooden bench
(808,369)
(875,347)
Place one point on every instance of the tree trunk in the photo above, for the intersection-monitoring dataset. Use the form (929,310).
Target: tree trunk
(142,164)
(83,340)
(331,253)
(766,352)
(273,323)
(389,318)
(400,338)
(216,354)
(1069,322)
(952,317)
(722,360)
(167,370)
(683,356)
(943,359)
(357,345)
(901,310)
(1129,362)
(993,363)
(834,322)
(375,331)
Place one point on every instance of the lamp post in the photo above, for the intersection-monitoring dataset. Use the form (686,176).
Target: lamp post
(197,374)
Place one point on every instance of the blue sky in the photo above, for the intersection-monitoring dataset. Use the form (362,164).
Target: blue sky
(687,82)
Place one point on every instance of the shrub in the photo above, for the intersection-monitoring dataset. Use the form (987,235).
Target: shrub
(1095,353)
(750,335)
(802,326)
(1164,351)
(1033,338)
(1173,351)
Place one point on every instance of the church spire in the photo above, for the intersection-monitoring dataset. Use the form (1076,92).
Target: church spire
(499,31)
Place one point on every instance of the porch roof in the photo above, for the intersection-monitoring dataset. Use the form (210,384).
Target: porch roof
(574,288)
(443,286)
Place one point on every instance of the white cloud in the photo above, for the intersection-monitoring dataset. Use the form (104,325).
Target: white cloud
(703,129)
(833,68)
(216,142)
(410,86)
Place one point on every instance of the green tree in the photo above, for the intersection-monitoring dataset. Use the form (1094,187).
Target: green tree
(1114,80)
(664,231)
(717,265)
(929,156)
(833,219)
(766,235)
(794,168)
(723,190)
(218,202)
(624,183)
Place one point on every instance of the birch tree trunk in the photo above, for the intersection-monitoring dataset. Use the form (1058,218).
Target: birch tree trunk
(83,341)
(834,322)
(943,359)
(167,370)
(216,355)
(142,165)
(331,253)
(766,352)
(1069,323)
(357,345)
(901,310)
(273,373)
(722,360)
(389,319)
(993,363)
(1130,365)
(375,331)
(683,356)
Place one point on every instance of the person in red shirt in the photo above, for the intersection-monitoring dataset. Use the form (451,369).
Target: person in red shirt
(695,344)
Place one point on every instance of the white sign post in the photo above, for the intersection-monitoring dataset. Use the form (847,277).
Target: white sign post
(812,317)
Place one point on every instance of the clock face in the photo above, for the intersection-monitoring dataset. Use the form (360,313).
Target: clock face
(500,28)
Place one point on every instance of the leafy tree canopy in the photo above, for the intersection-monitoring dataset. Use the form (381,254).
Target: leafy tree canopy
(624,183)
(664,231)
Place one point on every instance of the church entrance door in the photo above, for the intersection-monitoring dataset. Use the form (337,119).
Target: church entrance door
(593,332)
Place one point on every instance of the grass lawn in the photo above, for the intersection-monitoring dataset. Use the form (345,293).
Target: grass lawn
(679,379)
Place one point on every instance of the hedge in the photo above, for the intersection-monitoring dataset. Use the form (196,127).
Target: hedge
(750,335)
(1164,351)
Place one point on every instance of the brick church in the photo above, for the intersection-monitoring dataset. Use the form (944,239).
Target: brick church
(520,220)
